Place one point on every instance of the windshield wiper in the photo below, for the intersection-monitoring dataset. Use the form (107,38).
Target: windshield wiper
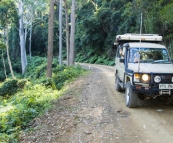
(161,61)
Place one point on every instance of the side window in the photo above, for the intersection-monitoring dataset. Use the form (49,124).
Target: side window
(120,53)
(117,53)
(131,53)
(165,55)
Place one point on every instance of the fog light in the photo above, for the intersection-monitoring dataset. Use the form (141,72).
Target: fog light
(157,79)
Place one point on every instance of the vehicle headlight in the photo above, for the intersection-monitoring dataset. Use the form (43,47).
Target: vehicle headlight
(157,79)
(145,77)
(138,77)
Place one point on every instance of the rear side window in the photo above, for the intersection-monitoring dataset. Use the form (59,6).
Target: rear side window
(120,52)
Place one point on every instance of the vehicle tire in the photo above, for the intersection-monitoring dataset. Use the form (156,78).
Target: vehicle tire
(117,85)
(171,103)
(131,96)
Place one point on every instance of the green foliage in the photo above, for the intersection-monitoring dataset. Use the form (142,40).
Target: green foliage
(40,36)
(96,29)
(93,58)
(16,68)
(36,68)
(2,75)
(17,65)
(104,61)
(86,10)
(2,45)
(21,100)
(97,24)
(8,12)
(67,74)
(11,86)
(8,87)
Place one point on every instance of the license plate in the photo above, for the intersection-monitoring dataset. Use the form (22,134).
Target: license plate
(165,86)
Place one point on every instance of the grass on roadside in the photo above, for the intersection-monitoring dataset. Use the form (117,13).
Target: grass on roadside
(21,100)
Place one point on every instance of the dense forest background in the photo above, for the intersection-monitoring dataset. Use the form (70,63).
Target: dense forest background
(97,24)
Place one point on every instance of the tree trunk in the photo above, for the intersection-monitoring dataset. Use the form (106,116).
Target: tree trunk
(50,39)
(72,34)
(67,31)
(4,65)
(26,31)
(60,32)
(30,39)
(8,56)
(22,37)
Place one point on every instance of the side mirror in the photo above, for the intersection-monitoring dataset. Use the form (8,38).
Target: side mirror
(121,60)
(116,43)
(172,61)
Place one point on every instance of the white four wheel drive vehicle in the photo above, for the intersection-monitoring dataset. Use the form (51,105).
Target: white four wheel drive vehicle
(143,68)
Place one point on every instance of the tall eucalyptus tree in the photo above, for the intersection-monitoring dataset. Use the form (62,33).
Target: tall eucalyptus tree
(7,17)
(60,32)
(50,39)
(67,30)
(72,33)
(27,10)
(3,47)
(22,35)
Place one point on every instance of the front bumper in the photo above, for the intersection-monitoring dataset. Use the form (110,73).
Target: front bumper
(151,90)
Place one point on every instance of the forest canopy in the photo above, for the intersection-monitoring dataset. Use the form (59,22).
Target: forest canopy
(97,24)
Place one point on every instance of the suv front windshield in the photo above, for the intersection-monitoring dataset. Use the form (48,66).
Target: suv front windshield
(148,55)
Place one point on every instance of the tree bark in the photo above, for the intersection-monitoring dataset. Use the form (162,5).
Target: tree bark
(4,65)
(60,32)
(50,40)
(30,39)
(67,32)
(22,37)
(72,34)
(8,56)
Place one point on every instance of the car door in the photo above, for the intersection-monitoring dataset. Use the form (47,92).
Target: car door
(119,66)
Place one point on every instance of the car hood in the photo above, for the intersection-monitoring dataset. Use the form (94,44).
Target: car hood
(155,68)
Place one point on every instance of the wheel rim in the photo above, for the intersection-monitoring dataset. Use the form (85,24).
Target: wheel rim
(127,96)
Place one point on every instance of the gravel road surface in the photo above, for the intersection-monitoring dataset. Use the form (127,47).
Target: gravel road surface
(92,111)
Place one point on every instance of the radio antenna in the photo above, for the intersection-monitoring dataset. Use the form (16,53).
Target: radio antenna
(140,43)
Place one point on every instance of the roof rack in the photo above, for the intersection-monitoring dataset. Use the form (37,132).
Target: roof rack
(141,34)
(132,37)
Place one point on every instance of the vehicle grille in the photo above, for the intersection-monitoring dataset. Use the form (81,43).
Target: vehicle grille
(165,78)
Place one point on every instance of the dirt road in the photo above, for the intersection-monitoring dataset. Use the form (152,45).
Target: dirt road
(91,111)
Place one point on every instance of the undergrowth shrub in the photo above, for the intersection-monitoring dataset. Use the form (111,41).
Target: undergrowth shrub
(100,60)
(11,86)
(66,74)
(2,76)
(8,87)
(94,58)
(31,96)
(16,63)
(49,83)
(40,71)
(35,68)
